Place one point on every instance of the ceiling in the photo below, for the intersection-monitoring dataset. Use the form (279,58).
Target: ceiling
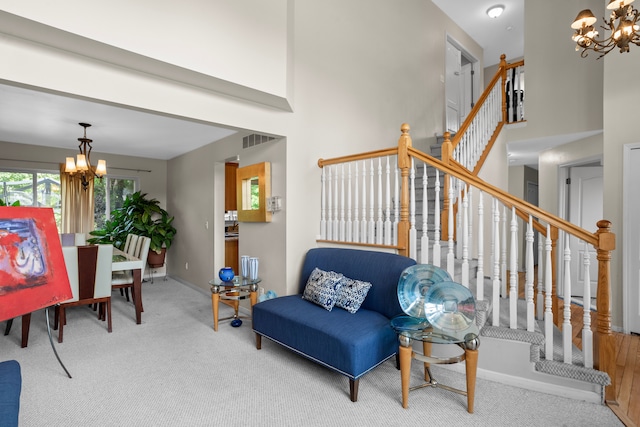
(40,118)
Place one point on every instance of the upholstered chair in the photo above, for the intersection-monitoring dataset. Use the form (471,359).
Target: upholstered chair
(137,246)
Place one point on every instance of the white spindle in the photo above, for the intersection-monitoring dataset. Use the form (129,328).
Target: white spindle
(349,232)
(587,334)
(396,204)
(528,282)
(470,227)
(336,205)
(450,254)
(364,225)
(371,232)
(465,239)
(540,299)
(412,213)
(379,222)
(496,264)
(513,273)
(323,207)
(436,242)
(503,255)
(480,272)
(356,207)
(343,222)
(387,205)
(424,240)
(459,237)
(548,314)
(330,204)
(567,333)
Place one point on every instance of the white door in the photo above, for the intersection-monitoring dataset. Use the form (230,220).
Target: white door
(452,87)
(632,237)
(585,210)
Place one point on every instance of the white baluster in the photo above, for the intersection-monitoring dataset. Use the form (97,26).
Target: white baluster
(343,222)
(396,204)
(323,207)
(548,314)
(379,222)
(470,227)
(567,332)
(356,207)
(587,334)
(496,264)
(424,241)
(349,232)
(450,254)
(459,230)
(528,283)
(480,272)
(540,299)
(364,227)
(465,238)
(371,232)
(513,273)
(387,205)
(330,204)
(413,234)
(336,205)
(436,242)
(503,255)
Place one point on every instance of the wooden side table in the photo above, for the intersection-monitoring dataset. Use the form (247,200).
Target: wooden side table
(410,329)
(231,293)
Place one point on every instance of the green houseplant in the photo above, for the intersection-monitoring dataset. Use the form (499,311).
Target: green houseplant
(143,216)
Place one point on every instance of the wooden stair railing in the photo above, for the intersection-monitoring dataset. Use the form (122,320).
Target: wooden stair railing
(391,209)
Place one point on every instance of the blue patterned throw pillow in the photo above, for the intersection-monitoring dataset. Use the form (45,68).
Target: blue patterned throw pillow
(322,288)
(352,294)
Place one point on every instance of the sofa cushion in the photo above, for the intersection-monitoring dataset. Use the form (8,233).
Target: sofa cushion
(351,344)
(352,294)
(322,288)
(380,269)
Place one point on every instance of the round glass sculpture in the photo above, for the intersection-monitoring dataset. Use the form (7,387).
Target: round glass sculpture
(449,306)
(226,274)
(413,285)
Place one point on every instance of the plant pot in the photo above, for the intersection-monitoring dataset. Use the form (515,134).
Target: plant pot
(155,259)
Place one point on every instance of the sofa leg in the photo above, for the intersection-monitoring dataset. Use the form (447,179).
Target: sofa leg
(353,389)
(258,341)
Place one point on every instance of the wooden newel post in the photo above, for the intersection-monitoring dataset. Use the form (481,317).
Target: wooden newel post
(604,358)
(447,155)
(404,163)
(503,83)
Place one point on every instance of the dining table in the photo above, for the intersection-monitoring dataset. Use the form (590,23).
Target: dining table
(123,261)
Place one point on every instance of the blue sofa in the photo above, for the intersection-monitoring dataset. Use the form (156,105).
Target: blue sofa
(10,387)
(351,344)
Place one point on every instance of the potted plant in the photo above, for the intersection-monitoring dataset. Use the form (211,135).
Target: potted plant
(143,216)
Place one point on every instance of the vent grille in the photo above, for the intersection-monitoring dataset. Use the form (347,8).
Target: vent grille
(255,139)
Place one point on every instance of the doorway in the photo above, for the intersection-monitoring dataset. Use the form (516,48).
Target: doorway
(631,239)
(461,84)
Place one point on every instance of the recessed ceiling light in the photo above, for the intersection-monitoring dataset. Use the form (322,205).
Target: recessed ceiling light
(495,11)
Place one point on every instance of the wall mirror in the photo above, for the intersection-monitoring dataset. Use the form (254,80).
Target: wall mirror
(253,187)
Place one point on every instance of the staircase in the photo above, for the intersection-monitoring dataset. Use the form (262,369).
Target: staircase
(470,228)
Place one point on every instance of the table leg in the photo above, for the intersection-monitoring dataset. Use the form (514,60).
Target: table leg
(471,357)
(215,299)
(405,354)
(137,288)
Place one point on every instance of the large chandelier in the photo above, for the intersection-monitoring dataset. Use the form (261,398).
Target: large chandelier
(622,23)
(82,165)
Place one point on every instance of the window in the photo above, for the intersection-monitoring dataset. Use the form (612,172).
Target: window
(110,194)
(31,188)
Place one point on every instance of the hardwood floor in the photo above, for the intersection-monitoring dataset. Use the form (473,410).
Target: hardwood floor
(627,372)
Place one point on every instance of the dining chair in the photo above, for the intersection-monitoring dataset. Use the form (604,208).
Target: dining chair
(89,271)
(137,246)
(26,323)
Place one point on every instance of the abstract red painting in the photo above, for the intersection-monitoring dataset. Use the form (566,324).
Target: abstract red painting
(33,274)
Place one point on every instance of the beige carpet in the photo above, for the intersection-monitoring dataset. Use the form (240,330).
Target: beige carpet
(174,370)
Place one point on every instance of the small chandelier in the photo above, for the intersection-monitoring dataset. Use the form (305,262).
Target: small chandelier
(82,165)
(622,24)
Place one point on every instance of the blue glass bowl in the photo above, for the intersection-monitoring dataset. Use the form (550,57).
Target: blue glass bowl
(226,274)
(449,306)
(413,285)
